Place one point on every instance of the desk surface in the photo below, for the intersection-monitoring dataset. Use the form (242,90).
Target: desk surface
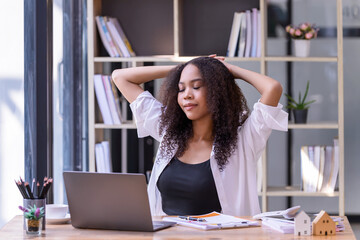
(13,230)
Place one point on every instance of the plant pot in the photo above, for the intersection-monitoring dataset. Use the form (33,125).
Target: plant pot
(301,47)
(33,227)
(300,116)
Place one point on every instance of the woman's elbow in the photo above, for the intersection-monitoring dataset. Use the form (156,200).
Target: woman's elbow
(274,93)
(276,88)
(115,75)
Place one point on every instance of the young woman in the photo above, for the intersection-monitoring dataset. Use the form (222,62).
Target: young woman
(209,141)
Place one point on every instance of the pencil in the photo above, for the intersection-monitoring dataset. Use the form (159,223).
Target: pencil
(22,193)
(33,186)
(42,190)
(38,189)
(23,189)
(47,187)
(27,187)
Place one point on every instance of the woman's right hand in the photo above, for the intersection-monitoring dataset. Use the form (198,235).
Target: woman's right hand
(222,59)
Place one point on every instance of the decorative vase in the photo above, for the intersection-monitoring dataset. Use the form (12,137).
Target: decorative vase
(33,227)
(38,203)
(300,116)
(301,47)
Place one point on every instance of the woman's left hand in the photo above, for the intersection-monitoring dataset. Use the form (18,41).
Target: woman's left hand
(222,59)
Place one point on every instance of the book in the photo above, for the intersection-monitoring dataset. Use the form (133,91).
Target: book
(254,32)
(310,169)
(103,37)
(107,158)
(234,35)
(118,99)
(321,169)
(334,165)
(213,220)
(327,169)
(123,36)
(258,49)
(315,168)
(102,99)
(118,40)
(248,33)
(102,27)
(99,158)
(305,162)
(111,99)
(242,36)
(102,157)
(278,225)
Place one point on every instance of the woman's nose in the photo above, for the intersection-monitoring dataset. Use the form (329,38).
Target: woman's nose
(188,93)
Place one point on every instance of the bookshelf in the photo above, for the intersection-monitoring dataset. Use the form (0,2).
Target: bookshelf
(176,50)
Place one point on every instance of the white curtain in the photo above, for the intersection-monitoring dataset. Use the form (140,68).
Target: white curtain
(11,106)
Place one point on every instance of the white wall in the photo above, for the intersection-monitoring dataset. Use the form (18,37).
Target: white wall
(11,106)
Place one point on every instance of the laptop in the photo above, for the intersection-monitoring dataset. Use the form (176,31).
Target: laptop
(113,201)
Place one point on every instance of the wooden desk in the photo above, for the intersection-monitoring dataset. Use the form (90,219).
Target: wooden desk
(14,230)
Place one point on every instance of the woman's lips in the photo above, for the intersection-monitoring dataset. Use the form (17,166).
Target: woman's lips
(189,107)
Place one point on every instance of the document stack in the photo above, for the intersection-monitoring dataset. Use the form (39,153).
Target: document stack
(284,225)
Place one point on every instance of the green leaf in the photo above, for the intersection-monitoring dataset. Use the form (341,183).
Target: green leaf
(306,91)
(300,104)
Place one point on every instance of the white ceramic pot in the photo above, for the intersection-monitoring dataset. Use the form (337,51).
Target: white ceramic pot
(301,47)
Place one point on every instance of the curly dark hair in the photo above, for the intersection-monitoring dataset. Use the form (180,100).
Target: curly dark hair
(226,104)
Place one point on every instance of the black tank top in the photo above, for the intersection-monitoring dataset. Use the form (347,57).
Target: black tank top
(188,189)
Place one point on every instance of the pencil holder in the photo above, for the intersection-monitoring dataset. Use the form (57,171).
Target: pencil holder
(39,203)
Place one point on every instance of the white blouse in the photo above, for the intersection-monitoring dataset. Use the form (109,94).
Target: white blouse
(236,184)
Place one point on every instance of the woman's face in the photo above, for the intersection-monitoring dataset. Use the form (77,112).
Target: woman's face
(192,94)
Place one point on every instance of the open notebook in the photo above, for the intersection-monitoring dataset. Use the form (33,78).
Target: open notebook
(212,220)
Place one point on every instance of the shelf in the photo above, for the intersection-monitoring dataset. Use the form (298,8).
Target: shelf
(166,58)
(155,58)
(301,59)
(295,191)
(320,125)
(126,125)
(178,44)
(173,58)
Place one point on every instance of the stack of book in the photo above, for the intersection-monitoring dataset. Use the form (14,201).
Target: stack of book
(108,99)
(319,167)
(113,37)
(102,157)
(279,224)
(245,36)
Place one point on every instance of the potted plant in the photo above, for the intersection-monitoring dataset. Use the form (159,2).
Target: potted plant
(301,35)
(33,219)
(300,107)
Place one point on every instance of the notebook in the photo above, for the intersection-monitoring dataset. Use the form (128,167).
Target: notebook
(213,220)
(113,201)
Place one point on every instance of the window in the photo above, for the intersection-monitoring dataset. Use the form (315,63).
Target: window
(69,91)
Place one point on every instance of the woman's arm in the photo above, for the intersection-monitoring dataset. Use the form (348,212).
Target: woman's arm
(128,80)
(269,88)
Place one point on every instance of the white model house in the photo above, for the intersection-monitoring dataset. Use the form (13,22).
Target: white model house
(302,224)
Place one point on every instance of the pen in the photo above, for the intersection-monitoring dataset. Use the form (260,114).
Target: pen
(193,218)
